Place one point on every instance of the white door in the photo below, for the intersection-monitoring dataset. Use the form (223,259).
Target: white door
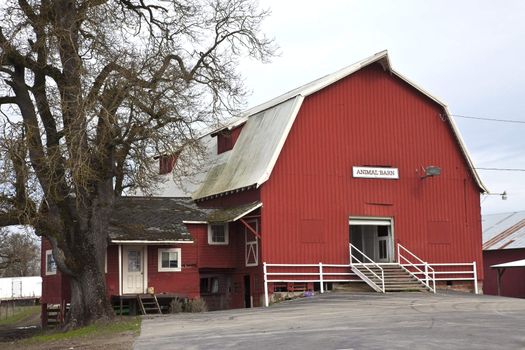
(133,270)
(383,249)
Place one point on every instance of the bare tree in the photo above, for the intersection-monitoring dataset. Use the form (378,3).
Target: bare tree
(90,91)
(19,255)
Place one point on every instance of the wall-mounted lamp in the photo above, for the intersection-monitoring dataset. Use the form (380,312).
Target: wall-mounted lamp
(431,170)
(503,195)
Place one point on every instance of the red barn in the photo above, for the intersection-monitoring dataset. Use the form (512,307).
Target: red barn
(362,157)
(504,242)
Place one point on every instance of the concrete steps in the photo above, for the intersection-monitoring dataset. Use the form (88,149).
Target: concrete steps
(396,278)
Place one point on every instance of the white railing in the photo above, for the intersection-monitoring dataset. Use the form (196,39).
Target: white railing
(407,264)
(454,272)
(322,273)
(366,266)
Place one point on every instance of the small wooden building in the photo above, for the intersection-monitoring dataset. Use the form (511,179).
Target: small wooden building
(362,157)
(504,242)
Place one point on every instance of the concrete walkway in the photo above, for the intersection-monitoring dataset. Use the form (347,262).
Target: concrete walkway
(349,321)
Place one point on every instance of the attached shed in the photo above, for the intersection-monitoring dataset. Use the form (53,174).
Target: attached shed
(504,243)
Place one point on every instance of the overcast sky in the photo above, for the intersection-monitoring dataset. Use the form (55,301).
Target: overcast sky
(470,54)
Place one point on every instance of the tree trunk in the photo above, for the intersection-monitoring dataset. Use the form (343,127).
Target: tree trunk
(88,298)
(84,263)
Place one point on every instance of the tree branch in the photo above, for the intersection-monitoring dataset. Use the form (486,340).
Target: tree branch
(4,100)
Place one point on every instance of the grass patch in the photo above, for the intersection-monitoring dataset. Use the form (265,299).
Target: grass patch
(118,325)
(21,312)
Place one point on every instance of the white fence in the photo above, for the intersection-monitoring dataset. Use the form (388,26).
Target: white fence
(452,272)
(304,273)
(20,288)
(324,273)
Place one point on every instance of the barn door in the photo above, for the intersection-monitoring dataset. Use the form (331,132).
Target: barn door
(133,270)
(252,243)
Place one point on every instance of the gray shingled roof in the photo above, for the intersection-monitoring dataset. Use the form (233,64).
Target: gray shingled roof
(232,214)
(153,219)
(504,231)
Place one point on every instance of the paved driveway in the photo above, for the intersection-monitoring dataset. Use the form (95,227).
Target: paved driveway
(349,321)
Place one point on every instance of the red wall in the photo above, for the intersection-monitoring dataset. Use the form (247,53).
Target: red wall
(55,288)
(370,118)
(513,280)
(184,282)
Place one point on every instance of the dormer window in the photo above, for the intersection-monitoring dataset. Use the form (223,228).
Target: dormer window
(226,139)
(167,163)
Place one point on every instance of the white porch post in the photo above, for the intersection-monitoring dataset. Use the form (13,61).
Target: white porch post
(145,268)
(321,276)
(119,269)
(426,274)
(266,299)
(475,277)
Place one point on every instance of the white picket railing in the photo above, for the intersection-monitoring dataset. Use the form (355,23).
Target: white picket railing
(322,273)
(449,272)
(426,273)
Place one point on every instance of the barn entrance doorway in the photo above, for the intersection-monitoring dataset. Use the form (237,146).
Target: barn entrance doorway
(374,237)
(247,292)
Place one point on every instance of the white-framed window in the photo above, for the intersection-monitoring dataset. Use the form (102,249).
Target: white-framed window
(51,266)
(218,234)
(169,259)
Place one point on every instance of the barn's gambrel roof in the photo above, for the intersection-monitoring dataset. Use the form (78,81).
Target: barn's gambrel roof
(266,127)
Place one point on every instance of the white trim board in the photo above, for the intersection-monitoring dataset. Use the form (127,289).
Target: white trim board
(151,242)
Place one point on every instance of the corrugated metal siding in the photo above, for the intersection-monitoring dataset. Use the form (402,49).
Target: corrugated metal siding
(504,231)
(369,118)
(513,280)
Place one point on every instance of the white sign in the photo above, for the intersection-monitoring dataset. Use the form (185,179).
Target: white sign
(375,173)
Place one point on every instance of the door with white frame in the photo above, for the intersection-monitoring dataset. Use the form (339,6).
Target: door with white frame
(374,237)
(133,269)
(382,251)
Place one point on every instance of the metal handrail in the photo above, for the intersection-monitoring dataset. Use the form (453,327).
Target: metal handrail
(382,278)
(427,266)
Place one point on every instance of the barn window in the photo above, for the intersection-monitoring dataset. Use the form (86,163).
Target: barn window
(226,139)
(169,259)
(218,234)
(51,266)
(209,285)
(167,163)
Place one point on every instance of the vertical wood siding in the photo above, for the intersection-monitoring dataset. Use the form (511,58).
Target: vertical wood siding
(369,119)
(513,280)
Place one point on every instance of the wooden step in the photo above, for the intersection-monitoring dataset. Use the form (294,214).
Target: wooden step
(148,304)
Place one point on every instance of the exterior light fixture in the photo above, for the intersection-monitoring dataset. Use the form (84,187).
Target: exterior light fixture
(431,171)
(503,195)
